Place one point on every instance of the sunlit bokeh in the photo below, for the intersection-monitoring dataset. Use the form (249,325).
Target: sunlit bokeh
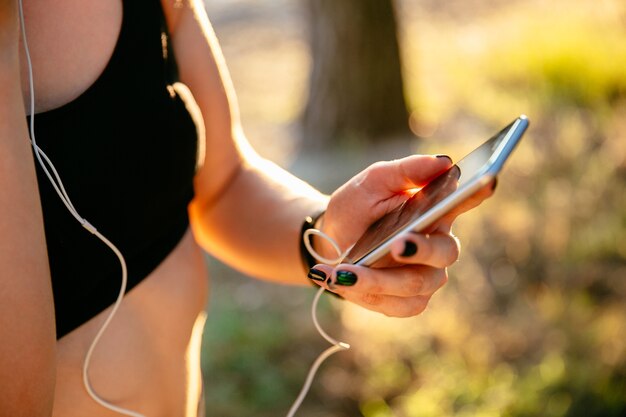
(533,319)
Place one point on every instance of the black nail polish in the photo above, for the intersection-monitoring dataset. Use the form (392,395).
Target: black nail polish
(345,278)
(410,249)
(317,275)
(444,156)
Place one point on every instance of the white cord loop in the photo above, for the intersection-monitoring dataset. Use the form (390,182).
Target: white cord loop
(337,346)
(329,261)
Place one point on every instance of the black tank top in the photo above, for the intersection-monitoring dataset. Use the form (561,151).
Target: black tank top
(126,151)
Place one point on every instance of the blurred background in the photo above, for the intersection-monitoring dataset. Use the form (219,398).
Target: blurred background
(533,319)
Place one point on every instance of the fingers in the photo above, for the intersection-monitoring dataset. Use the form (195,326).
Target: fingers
(396,292)
(403,282)
(399,291)
(437,249)
(471,202)
(444,224)
(390,305)
(476,198)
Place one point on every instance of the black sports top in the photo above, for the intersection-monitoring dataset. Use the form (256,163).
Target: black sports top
(126,151)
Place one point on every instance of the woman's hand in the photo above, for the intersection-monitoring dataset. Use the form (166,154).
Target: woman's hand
(403,282)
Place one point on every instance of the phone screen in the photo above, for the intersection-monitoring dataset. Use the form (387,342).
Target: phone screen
(451,187)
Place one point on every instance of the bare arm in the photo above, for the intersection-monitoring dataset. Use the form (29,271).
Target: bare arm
(27,335)
(239,213)
(249,212)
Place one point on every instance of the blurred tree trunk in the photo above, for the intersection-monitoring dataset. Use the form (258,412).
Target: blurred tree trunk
(356,90)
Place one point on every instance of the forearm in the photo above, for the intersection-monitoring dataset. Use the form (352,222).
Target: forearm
(255,225)
(27,347)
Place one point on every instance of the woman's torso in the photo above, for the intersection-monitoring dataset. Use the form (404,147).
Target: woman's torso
(143,361)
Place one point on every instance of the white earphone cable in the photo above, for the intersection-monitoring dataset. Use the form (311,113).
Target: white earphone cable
(52,174)
(49,169)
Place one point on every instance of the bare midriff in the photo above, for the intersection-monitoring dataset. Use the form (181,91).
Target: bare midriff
(148,360)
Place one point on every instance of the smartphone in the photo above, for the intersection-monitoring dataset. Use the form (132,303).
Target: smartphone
(440,195)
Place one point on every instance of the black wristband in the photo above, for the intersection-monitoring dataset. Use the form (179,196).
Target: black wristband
(308,260)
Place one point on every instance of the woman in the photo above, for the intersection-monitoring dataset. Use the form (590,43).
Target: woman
(162,169)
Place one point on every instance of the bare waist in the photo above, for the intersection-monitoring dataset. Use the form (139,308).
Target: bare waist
(148,359)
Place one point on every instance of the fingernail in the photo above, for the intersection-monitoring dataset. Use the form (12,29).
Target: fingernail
(444,156)
(345,278)
(317,275)
(457,171)
(410,249)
